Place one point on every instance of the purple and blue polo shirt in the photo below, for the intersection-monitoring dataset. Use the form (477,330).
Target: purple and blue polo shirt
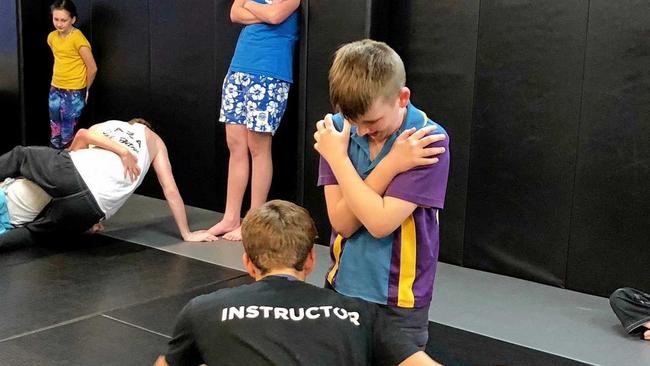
(399,269)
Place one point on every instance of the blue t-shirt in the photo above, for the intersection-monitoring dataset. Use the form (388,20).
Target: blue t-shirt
(399,269)
(267,49)
(5,223)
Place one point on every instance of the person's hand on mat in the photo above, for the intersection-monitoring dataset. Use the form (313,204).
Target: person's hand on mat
(411,150)
(330,143)
(97,228)
(199,235)
(130,162)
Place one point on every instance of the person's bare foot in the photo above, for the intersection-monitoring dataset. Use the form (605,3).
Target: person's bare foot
(234,235)
(223,227)
(646,334)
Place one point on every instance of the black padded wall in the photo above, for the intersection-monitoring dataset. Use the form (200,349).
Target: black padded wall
(328,28)
(523,153)
(610,227)
(121,46)
(37,65)
(184,92)
(437,41)
(10,102)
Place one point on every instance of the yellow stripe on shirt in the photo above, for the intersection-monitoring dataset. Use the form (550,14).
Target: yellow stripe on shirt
(408,264)
(337,257)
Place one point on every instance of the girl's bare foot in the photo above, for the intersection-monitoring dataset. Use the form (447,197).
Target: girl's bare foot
(223,227)
(234,235)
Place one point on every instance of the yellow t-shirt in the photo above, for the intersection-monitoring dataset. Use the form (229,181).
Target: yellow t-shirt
(69,69)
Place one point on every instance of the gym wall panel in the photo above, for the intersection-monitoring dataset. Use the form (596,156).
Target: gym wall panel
(328,27)
(121,49)
(37,69)
(523,153)
(184,93)
(9,77)
(610,228)
(437,41)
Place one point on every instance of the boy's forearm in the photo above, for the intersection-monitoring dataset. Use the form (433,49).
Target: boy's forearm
(378,182)
(366,204)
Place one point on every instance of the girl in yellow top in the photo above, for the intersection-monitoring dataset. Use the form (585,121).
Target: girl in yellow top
(74,72)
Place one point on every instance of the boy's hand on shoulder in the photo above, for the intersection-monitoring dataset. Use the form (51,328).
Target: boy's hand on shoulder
(410,149)
(330,143)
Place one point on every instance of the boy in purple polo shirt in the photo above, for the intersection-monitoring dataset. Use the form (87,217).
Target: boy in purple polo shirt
(383,188)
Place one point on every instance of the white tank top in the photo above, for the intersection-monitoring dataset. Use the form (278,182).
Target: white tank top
(102,170)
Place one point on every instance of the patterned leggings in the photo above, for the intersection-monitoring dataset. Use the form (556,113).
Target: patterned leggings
(65,109)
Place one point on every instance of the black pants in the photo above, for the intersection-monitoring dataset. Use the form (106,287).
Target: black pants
(72,210)
(414,323)
(632,307)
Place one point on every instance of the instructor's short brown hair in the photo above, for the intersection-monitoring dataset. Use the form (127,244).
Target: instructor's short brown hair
(278,234)
(141,121)
(363,71)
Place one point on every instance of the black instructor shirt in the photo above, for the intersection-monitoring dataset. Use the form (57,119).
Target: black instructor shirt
(278,321)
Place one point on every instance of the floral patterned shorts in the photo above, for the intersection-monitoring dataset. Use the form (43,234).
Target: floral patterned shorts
(253,100)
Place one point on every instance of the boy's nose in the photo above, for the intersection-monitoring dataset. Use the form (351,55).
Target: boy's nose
(362,131)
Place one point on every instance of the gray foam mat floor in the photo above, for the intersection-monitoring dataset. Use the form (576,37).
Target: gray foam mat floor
(96,300)
(569,324)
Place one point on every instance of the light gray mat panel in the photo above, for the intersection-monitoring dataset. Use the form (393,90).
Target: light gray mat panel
(148,221)
(566,323)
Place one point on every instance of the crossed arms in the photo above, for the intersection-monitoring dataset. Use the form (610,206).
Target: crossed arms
(250,12)
(353,202)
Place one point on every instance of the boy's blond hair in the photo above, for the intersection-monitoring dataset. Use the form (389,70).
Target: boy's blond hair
(363,71)
(278,234)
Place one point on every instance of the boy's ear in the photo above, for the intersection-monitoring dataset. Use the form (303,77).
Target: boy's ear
(74,20)
(404,96)
(310,262)
(248,264)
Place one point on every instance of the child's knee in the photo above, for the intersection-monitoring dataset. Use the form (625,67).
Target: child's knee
(18,151)
(67,134)
(259,144)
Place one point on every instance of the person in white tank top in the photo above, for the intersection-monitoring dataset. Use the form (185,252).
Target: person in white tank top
(106,163)
(103,171)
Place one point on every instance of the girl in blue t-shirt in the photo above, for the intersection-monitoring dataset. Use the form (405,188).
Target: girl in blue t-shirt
(254,98)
